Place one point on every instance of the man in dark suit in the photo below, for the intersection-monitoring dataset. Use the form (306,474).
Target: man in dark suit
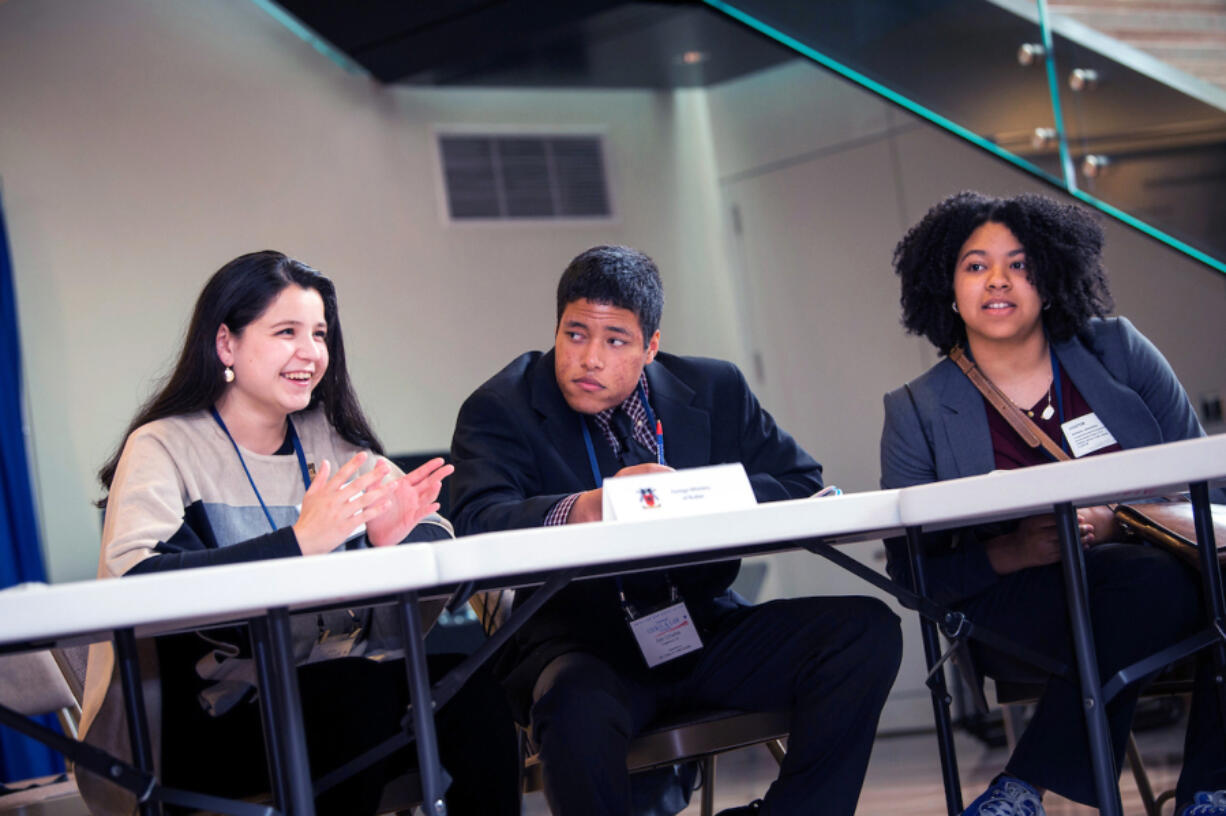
(531,448)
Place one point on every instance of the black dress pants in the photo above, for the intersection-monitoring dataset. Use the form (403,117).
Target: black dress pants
(349,706)
(1141,600)
(832,661)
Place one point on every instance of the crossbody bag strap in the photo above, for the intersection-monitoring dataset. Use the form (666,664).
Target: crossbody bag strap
(1031,434)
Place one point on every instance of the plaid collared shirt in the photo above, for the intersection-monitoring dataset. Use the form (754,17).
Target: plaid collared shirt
(643,434)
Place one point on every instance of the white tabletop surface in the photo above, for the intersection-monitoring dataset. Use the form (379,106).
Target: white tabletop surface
(88,610)
(182,598)
(194,597)
(1126,475)
(855,516)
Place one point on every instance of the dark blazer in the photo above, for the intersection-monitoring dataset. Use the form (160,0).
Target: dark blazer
(936,428)
(518,449)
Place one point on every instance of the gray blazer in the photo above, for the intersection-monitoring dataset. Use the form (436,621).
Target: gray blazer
(936,428)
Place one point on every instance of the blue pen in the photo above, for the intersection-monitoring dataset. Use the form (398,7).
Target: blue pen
(659,442)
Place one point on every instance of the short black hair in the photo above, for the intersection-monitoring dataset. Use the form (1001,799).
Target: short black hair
(1063,244)
(615,276)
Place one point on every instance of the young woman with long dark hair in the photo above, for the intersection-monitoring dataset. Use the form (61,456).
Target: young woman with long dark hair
(256,448)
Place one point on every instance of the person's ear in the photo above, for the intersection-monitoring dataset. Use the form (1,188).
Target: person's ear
(653,347)
(225,345)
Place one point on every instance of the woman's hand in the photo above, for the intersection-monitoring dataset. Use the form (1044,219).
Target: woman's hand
(411,498)
(334,506)
(1034,543)
(1103,524)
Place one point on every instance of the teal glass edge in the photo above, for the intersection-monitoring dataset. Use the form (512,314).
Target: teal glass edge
(971,136)
(1053,92)
(307,35)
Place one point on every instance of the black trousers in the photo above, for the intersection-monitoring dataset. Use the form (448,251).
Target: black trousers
(350,705)
(831,660)
(1141,600)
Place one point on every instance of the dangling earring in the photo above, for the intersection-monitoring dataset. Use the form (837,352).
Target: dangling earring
(228,374)
(955,307)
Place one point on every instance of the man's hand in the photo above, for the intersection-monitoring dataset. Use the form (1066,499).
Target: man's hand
(588,506)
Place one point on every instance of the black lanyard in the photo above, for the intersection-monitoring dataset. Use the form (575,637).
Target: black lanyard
(302,463)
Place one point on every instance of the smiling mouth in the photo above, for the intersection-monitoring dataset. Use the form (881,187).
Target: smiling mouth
(997,305)
(299,377)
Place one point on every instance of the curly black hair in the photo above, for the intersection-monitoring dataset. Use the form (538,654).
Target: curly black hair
(1063,244)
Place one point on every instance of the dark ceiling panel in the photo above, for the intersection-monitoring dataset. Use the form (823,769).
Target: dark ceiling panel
(540,43)
(357,25)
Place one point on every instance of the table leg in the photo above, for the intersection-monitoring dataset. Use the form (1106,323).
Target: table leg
(269,718)
(422,712)
(940,694)
(272,642)
(1211,578)
(1106,777)
(128,663)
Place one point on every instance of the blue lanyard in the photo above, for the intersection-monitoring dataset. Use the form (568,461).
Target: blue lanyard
(591,448)
(1055,378)
(302,463)
(627,607)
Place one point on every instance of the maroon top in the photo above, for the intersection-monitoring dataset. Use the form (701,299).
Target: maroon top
(1012,452)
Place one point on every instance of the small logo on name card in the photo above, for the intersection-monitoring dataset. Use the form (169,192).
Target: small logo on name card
(648,498)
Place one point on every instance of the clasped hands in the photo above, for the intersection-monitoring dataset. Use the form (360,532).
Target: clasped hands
(336,503)
(1036,541)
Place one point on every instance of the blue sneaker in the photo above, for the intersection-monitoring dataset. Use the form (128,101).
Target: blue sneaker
(1207,803)
(1007,796)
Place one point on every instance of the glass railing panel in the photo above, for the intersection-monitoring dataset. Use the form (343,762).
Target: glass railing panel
(1113,125)
(952,61)
(1189,36)
(1143,136)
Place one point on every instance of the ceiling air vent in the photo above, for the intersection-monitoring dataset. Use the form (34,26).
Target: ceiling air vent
(524,177)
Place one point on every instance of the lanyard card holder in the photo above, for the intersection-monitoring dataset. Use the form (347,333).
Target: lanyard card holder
(665,633)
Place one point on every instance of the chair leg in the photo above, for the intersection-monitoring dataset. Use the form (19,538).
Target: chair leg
(1142,778)
(936,685)
(708,785)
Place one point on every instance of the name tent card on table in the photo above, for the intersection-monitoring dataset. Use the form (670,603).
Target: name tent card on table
(680,493)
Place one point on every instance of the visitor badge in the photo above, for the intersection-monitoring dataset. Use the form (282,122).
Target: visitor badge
(666,634)
(1086,434)
(333,646)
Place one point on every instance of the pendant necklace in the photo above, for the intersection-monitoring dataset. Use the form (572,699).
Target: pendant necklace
(1049,410)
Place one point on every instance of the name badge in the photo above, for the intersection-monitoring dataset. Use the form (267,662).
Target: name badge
(666,634)
(679,493)
(1086,434)
(333,646)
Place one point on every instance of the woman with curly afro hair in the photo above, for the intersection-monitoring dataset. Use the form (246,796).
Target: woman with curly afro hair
(1018,285)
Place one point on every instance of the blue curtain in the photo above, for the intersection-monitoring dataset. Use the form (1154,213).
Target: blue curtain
(20,555)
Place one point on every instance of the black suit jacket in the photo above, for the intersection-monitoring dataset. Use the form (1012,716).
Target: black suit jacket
(518,449)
